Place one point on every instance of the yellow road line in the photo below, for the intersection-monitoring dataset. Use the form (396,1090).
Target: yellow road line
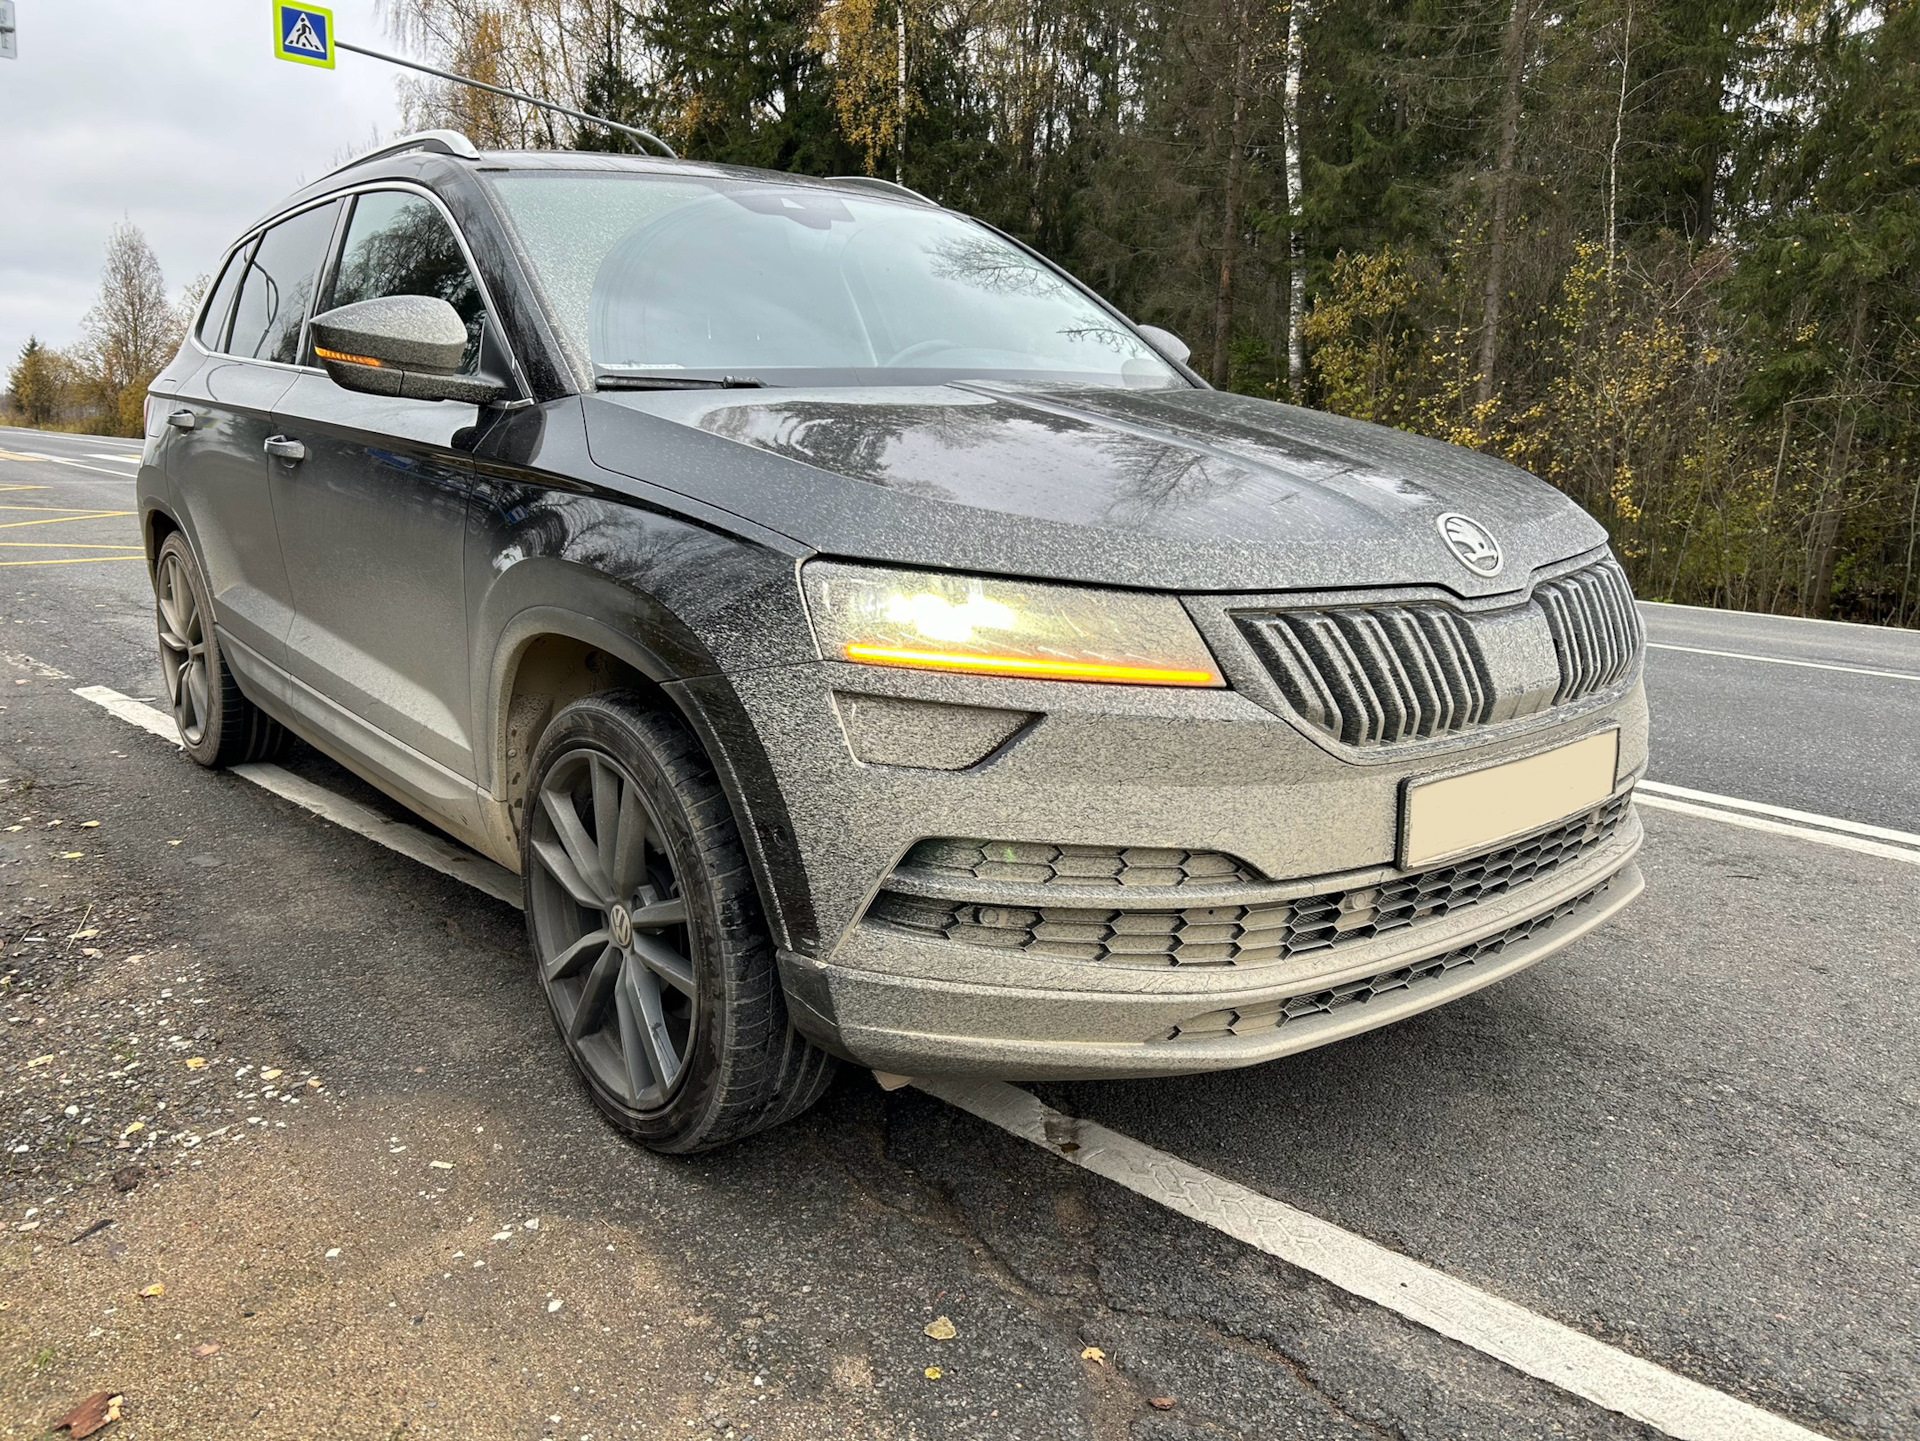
(26,487)
(81,560)
(15,455)
(59,519)
(59,545)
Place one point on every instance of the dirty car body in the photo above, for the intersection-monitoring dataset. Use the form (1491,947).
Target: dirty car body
(1183,847)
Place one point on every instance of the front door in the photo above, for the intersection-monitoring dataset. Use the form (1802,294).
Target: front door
(372,515)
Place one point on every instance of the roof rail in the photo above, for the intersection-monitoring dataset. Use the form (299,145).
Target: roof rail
(440,142)
(891,187)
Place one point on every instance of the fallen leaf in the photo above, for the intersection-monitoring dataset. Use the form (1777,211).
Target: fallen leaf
(89,825)
(441,1165)
(1095,1355)
(156,1290)
(270,1072)
(100,1409)
(71,855)
(175,843)
(941,1329)
(39,1061)
(1160,1403)
(136,1126)
(210,1348)
(195,1063)
(16,828)
(85,935)
(934,1373)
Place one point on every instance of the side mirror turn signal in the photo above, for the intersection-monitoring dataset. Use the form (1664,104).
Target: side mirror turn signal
(409,346)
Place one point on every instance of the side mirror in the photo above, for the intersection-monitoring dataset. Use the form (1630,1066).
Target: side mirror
(409,346)
(1167,343)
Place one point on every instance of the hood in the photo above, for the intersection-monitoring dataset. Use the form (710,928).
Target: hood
(1190,490)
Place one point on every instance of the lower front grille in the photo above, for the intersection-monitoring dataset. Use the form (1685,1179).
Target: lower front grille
(1254,933)
(1269,1015)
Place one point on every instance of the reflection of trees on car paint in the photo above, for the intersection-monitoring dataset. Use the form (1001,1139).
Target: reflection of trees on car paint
(398,244)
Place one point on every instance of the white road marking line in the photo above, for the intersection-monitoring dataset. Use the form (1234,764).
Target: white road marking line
(1530,1343)
(1756,615)
(430,850)
(78,464)
(1777,828)
(131,458)
(1784,813)
(1782,660)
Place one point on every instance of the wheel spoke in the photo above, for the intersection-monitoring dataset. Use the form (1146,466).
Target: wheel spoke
(642,992)
(591,1012)
(579,845)
(606,819)
(633,1046)
(670,912)
(197,689)
(560,866)
(630,843)
(666,963)
(576,955)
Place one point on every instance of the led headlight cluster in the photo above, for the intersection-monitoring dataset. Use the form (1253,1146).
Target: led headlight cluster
(927,620)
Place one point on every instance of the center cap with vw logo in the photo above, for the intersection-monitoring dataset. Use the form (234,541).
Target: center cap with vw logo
(621,924)
(1472,544)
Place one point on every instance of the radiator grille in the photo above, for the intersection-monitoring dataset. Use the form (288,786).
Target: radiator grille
(1377,675)
(1595,628)
(1256,933)
(1025,863)
(1269,1015)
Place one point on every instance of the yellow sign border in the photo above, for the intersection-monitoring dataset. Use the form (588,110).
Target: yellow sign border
(280,8)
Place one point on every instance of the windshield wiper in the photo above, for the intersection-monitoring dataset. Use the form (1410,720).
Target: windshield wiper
(676,382)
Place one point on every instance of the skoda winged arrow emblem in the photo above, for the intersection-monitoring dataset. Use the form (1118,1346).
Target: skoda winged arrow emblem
(1472,544)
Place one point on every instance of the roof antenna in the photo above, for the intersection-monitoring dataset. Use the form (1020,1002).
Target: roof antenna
(633,130)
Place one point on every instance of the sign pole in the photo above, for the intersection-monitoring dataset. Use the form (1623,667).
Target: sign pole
(304,34)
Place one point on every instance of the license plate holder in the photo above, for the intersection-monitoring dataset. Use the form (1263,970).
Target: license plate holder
(1447,816)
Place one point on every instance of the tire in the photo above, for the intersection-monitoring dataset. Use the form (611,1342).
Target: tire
(218,725)
(652,948)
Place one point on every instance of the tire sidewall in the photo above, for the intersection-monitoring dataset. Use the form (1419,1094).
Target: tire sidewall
(634,739)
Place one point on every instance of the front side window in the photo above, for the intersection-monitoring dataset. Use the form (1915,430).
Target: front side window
(278,290)
(399,244)
(704,277)
(213,324)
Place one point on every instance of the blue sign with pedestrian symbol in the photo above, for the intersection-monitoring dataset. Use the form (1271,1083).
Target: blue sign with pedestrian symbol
(303,34)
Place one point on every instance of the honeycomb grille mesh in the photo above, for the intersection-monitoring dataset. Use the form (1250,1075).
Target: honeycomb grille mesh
(1249,934)
(1384,674)
(1268,1015)
(1043,865)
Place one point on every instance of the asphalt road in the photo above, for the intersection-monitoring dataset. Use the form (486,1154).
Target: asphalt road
(1693,1134)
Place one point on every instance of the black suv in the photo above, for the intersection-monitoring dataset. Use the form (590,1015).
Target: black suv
(867,642)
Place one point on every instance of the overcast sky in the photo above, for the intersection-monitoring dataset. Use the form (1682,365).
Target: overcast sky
(177,117)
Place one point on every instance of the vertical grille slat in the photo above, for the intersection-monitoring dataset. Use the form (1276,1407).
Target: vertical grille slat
(1377,675)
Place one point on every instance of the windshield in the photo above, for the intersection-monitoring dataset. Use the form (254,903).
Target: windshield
(659,277)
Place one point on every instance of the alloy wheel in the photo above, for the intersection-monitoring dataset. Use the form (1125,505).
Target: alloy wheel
(610,928)
(183,648)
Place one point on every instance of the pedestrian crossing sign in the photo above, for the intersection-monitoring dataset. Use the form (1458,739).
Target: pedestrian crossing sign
(303,34)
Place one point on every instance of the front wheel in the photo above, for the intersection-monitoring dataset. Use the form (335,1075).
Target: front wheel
(648,933)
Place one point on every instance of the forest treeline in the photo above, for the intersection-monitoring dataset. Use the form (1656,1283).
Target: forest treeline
(1661,252)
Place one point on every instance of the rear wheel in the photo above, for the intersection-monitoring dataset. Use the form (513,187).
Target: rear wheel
(218,725)
(648,933)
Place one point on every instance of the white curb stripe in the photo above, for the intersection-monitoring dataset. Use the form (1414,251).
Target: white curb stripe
(1778,828)
(1532,1344)
(1782,660)
(1784,813)
(429,850)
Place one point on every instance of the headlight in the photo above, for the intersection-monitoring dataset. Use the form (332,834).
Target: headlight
(924,620)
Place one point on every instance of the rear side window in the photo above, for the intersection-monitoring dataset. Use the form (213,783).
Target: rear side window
(400,244)
(213,324)
(278,290)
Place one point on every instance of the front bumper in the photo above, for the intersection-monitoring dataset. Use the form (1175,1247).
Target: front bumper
(915,1006)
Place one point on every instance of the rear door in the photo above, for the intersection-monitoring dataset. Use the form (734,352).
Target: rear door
(372,521)
(217,466)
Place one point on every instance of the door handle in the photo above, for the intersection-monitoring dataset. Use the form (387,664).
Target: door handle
(281,448)
(183,420)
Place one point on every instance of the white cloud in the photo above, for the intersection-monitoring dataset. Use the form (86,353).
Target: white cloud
(176,117)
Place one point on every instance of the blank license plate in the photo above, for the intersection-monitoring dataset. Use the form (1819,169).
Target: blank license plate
(1459,814)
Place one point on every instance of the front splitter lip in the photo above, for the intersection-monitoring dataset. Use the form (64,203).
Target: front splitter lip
(922,1053)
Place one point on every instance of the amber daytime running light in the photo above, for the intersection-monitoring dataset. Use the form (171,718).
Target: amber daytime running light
(916,620)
